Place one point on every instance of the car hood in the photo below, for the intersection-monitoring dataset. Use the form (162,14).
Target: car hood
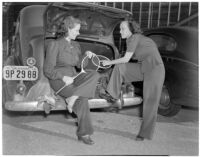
(96,20)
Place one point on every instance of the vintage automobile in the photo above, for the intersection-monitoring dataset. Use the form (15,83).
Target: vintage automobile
(24,82)
(179,50)
(25,88)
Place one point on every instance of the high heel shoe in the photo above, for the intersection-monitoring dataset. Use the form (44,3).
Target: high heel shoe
(139,138)
(86,139)
(70,102)
(69,108)
(47,108)
(107,97)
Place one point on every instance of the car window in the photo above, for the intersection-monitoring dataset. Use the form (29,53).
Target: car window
(164,42)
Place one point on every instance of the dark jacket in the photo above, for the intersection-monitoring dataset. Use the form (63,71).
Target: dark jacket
(61,59)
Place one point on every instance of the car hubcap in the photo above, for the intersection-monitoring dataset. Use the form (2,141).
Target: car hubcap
(165,99)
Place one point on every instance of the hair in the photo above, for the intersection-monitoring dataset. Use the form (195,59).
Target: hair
(70,22)
(134,27)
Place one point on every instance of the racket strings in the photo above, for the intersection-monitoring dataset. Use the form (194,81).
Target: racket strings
(90,64)
(98,63)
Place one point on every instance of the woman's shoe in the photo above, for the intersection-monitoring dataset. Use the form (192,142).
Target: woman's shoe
(46,107)
(86,139)
(139,138)
(69,108)
(70,102)
(107,97)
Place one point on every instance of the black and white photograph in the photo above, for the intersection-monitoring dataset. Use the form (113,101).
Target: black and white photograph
(103,78)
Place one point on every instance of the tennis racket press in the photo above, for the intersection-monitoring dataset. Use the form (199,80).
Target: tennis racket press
(96,63)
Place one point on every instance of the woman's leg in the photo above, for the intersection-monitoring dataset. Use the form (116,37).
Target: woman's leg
(153,82)
(128,72)
(81,109)
(85,85)
(70,101)
(65,92)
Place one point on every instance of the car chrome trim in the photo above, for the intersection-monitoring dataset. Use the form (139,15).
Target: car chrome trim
(93,104)
(181,60)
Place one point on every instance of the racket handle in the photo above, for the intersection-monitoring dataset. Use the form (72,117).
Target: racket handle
(78,74)
(58,91)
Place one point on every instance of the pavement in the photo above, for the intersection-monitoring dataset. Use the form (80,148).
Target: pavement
(114,135)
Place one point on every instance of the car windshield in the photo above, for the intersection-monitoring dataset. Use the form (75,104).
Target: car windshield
(93,22)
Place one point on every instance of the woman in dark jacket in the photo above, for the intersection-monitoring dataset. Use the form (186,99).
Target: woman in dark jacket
(59,67)
(149,68)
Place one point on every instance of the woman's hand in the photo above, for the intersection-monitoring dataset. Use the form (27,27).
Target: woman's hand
(68,80)
(106,62)
(90,54)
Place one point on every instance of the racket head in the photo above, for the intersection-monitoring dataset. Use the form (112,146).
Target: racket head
(101,58)
(94,63)
(88,64)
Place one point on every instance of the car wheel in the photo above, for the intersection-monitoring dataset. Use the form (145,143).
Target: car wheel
(167,107)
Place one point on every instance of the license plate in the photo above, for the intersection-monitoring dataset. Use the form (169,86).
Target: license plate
(29,73)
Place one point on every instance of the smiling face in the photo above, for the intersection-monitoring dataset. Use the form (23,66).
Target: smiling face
(124,30)
(74,32)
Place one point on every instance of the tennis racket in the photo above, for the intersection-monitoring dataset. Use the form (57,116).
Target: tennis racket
(89,64)
(97,61)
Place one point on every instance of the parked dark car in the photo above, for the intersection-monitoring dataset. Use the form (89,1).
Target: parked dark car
(35,27)
(179,49)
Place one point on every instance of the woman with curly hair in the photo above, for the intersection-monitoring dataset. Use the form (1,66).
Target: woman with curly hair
(149,69)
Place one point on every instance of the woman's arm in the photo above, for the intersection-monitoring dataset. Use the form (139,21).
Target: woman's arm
(124,59)
(50,63)
(129,53)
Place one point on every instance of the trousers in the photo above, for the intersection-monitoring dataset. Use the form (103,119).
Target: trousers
(82,110)
(83,86)
(152,87)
